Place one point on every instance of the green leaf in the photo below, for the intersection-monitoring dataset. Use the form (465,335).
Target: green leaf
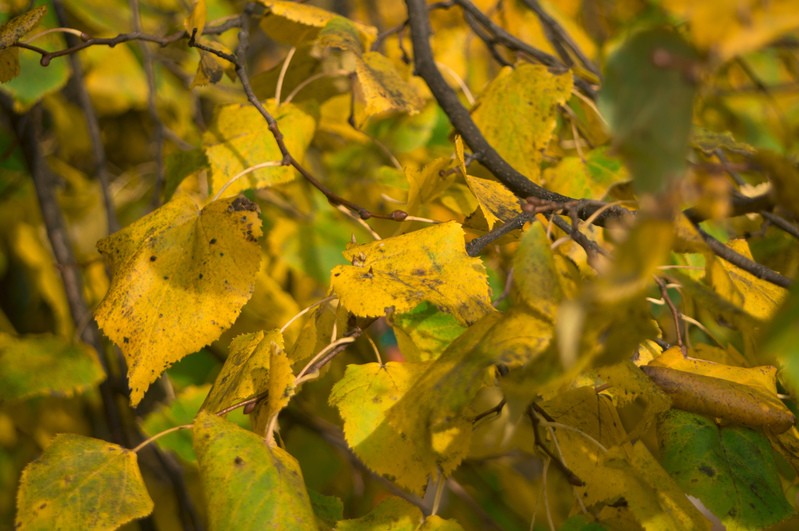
(81,483)
(425,332)
(248,484)
(732,470)
(517,114)
(781,339)
(393,514)
(589,177)
(46,366)
(647,98)
(400,272)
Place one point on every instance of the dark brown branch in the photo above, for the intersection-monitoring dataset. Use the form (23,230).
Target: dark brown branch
(781,222)
(476,246)
(675,314)
(92,123)
(560,38)
(28,130)
(462,121)
(758,270)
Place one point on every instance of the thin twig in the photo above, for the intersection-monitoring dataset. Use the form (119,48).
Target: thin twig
(476,246)
(675,314)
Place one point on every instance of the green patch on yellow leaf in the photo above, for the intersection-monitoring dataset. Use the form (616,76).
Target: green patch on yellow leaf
(588,177)
(247,483)
(732,470)
(245,373)
(425,332)
(297,23)
(46,366)
(180,278)
(239,139)
(363,397)
(393,513)
(517,114)
(81,483)
(400,272)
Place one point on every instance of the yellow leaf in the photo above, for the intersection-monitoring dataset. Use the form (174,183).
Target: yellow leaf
(196,19)
(363,397)
(9,64)
(180,278)
(496,202)
(209,70)
(756,297)
(293,22)
(427,184)
(280,389)
(394,514)
(735,394)
(81,483)
(733,27)
(115,79)
(341,33)
(517,114)
(382,86)
(400,272)
(239,139)
(245,373)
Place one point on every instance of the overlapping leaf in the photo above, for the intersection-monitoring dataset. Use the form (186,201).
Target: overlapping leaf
(181,276)
(400,272)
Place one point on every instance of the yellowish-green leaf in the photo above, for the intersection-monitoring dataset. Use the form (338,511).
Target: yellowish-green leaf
(239,139)
(280,390)
(436,523)
(317,329)
(245,373)
(400,272)
(248,484)
(496,202)
(81,483)
(363,397)
(341,33)
(393,514)
(736,285)
(517,114)
(427,184)
(180,278)
(733,28)
(45,366)
(589,177)
(209,70)
(115,79)
(382,86)
(13,30)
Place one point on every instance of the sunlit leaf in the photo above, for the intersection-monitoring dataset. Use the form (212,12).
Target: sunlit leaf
(496,202)
(239,139)
(245,373)
(383,87)
(196,19)
(363,397)
(46,366)
(588,177)
(732,470)
(294,23)
(246,482)
(81,483)
(517,114)
(178,257)
(400,272)
(425,332)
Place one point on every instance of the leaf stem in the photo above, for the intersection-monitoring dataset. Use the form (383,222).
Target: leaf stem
(161,434)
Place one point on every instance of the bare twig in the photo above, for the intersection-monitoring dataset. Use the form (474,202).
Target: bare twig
(476,246)
(675,314)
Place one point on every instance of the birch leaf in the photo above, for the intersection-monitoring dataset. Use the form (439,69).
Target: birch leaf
(180,278)
(248,484)
(81,483)
(400,272)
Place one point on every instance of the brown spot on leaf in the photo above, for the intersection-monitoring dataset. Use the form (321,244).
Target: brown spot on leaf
(213,241)
(241,203)
(239,461)
(153,258)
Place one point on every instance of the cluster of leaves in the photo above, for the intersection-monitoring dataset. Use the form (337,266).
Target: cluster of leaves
(348,293)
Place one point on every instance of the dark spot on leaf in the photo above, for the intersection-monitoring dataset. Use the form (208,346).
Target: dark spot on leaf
(221,254)
(337,274)
(201,276)
(241,203)
(708,471)
(213,241)
(126,340)
(166,277)
(239,461)
(160,315)
(418,272)
(152,258)
(43,505)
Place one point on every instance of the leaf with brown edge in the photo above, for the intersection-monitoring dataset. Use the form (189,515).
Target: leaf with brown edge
(180,278)
(400,272)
